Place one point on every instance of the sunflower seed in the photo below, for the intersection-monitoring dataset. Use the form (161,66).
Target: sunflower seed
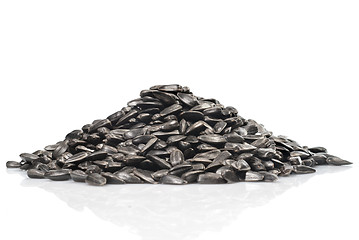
(192,116)
(29,157)
(180,169)
(230,176)
(301,169)
(111,178)
(253,176)
(176,157)
(159,161)
(191,176)
(145,175)
(241,165)
(210,178)
(159,174)
(188,99)
(170,110)
(78,176)
(77,158)
(219,126)
(35,173)
(317,149)
(95,179)
(12,164)
(212,139)
(172,179)
(61,148)
(128,177)
(58,175)
(337,161)
(269,177)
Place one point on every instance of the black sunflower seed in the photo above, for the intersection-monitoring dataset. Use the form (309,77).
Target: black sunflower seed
(172,179)
(210,178)
(78,176)
(112,178)
(176,157)
(13,164)
(95,179)
(35,173)
(337,161)
(58,175)
(192,116)
(188,99)
(301,169)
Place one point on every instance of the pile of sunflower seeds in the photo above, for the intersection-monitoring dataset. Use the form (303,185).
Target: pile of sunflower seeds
(171,136)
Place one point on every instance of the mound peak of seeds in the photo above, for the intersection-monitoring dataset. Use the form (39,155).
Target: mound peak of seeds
(171,136)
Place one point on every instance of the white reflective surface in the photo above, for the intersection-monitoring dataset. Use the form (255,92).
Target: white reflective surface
(186,212)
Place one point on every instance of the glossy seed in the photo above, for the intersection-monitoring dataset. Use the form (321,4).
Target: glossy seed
(58,175)
(166,98)
(159,174)
(172,179)
(145,175)
(188,99)
(180,169)
(302,169)
(128,177)
(78,176)
(29,157)
(149,145)
(241,165)
(212,138)
(112,178)
(61,148)
(12,164)
(252,176)
(77,158)
(192,116)
(191,176)
(230,176)
(176,157)
(219,126)
(210,178)
(170,110)
(159,161)
(318,149)
(95,179)
(269,177)
(337,161)
(35,173)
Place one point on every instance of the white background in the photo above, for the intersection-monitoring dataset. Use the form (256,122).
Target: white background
(291,65)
